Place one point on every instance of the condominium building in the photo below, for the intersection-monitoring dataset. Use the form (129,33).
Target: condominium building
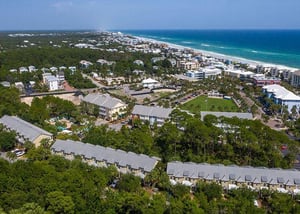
(110,108)
(152,114)
(282,96)
(295,81)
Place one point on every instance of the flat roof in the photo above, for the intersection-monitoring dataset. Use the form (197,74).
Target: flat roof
(239,115)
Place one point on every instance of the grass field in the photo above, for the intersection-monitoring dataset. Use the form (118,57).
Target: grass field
(203,103)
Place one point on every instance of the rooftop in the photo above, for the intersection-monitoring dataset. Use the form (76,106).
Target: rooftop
(281,92)
(23,127)
(100,153)
(104,100)
(233,172)
(152,111)
(239,115)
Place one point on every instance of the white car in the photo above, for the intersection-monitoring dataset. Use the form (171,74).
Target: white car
(18,152)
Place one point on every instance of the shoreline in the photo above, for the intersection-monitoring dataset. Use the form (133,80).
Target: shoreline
(218,55)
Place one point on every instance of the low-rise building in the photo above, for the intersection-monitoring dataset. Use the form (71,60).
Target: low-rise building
(150,83)
(232,177)
(152,114)
(95,155)
(85,64)
(239,115)
(25,130)
(110,108)
(262,80)
(282,96)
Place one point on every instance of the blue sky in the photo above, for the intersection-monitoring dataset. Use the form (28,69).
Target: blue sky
(149,14)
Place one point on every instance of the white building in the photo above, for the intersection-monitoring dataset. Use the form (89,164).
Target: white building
(138,62)
(51,81)
(282,96)
(150,83)
(85,64)
(152,114)
(295,81)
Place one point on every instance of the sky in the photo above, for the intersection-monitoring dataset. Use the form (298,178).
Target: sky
(148,14)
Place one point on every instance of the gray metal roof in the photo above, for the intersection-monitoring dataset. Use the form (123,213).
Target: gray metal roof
(107,154)
(103,100)
(152,111)
(241,174)
(23,127)
(239,115)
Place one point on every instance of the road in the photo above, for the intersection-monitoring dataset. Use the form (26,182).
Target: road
(99,85)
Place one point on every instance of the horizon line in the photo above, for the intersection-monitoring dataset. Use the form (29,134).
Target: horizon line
(145,29)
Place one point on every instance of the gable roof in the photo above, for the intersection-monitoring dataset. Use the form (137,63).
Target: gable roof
(233,172)
(239,115)
(151,111)
(149,81)
(100,153)
(22,127)
(103,100)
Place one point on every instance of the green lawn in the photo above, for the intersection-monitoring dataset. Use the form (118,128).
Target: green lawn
(203,103)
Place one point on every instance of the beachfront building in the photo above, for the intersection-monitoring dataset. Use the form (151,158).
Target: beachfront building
(282,96)
(263,80)
(295,81)
(242,75)
(25,131)
(99,156)
(188,65)
(152,114)
(110,108)
(233,177)
(204,73)
(150,83)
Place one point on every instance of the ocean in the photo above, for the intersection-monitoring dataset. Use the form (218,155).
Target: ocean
(280,47)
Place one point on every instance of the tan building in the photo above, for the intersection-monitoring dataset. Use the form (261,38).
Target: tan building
(25,131)
(110,108)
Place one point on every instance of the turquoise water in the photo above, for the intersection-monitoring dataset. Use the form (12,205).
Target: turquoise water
(271,46)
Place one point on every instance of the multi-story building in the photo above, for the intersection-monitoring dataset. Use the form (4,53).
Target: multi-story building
(110,108)
(232,177)
(262,80)
(282,96)
(295,81)
(51,81)
(152,114)
(125,162)
(25,131)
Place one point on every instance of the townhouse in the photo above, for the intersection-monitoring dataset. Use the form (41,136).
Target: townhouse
(99,156)
(25,131)
(232,176)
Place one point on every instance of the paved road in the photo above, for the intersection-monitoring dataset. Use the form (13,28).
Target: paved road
(99,85)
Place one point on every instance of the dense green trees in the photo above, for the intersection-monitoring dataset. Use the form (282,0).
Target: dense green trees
(7,140)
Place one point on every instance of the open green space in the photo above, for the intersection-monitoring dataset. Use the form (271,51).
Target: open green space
(204,103)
